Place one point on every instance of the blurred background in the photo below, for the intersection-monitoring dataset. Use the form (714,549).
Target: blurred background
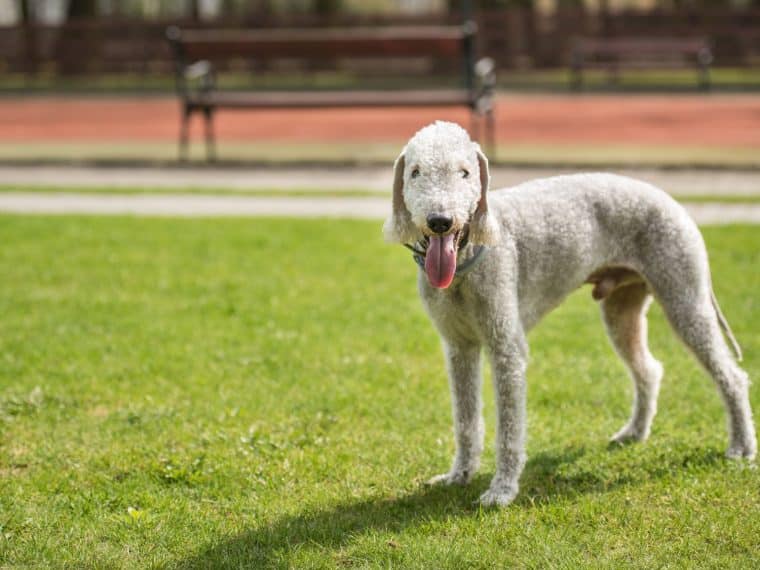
(578,83)
(120,44)
(265,390)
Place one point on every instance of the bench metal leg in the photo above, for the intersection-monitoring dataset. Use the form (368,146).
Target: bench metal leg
(184,132)
(703,72)
(475,125)
(208,113)
(576,78)
(484,122)
(614,75)
(490,129)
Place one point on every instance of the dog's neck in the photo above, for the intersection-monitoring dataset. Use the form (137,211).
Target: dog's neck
(468,256)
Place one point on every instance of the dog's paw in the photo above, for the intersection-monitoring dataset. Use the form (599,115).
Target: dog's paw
(455,477)
(628,434)
(739,451)
(499,496)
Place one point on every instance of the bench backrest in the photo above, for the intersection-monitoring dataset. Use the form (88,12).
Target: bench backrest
(640,47)
(445,42)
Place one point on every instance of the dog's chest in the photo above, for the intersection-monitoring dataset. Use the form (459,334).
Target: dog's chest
(452,310)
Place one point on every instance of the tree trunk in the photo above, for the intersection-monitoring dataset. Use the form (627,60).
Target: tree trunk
(29,65)
(81,9)
(228,9)
(327,7)
(195,11)
(78,43)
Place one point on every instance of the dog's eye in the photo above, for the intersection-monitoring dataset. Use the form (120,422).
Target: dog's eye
(415,173)
(465,173)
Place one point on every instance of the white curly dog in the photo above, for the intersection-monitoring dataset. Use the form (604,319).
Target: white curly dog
(492,264)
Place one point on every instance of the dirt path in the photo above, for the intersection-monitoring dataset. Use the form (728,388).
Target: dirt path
(679,120)
(340,207)
(684,182)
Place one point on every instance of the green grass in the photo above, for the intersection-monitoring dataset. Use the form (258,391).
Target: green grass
(200,190)
(624,155)
(370,153)
(718,198)
(302,193)
(722,79)
(150,152)
(268,393)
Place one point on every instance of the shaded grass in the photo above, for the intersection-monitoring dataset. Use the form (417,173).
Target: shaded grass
(259,393)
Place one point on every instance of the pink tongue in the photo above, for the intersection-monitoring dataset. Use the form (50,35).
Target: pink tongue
(441,261)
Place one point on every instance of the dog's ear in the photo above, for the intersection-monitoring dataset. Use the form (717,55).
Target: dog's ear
(483,228)
(398,227)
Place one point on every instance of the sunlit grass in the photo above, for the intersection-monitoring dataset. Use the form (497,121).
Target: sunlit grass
(372,153)
(259,393)
(296,192)
(722,79)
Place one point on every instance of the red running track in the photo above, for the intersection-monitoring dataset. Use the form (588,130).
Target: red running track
(662,120)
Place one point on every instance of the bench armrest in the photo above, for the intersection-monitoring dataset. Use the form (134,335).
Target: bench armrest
(705,55)
(485,71)
(196,78)
(485,74)
(203,72)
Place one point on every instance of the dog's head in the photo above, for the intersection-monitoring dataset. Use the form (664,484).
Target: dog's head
(439,195)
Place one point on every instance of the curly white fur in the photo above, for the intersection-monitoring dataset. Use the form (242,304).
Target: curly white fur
(441,171)
(547,238)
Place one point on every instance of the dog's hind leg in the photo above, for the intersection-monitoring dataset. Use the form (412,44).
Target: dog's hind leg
(697,324)
(464,367)
(624,314)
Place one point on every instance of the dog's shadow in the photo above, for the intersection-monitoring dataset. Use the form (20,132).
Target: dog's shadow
(335,526)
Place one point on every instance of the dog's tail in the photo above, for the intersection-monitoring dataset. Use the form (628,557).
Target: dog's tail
(724,326)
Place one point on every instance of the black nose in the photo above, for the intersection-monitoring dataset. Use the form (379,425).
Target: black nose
(439,224)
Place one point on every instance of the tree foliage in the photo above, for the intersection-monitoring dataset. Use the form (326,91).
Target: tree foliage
(79,9)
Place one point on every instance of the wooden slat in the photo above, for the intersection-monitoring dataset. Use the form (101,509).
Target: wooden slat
(640,64)
(406,41)
(289,99)
(325,34)
(632,47)
(615,54)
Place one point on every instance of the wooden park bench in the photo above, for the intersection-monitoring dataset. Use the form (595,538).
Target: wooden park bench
(615,54)
(195,52)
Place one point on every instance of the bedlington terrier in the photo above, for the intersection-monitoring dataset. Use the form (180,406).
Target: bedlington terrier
(493,263)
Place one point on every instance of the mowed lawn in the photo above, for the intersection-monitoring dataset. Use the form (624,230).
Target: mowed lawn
(269,393)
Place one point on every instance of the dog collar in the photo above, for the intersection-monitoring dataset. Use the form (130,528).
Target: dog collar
(462,268)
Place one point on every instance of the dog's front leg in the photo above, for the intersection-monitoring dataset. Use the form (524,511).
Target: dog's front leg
(463,363)
(508,364)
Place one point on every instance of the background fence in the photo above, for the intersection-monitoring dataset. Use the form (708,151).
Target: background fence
(516,38)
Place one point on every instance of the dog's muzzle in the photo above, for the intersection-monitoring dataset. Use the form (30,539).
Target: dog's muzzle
(439,276)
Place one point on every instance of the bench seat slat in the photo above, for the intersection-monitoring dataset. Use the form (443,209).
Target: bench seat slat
(289,99)
(616,53)
(641,46)
(325,34)
(674,63)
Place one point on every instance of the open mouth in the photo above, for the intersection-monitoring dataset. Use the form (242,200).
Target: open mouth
(440,254)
